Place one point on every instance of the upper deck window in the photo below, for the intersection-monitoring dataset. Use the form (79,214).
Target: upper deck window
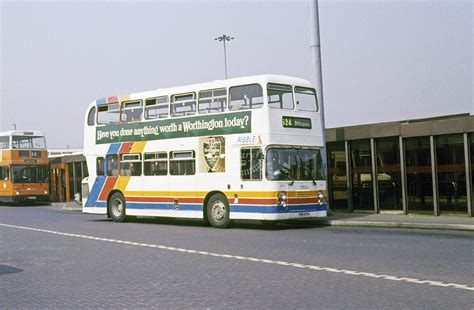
(280,96)
(157,108)
(131,111)
(91,117)
(246,97)
(306,99)
(109,113)
(183,104)
(212,101)
(4,143)
(28,142)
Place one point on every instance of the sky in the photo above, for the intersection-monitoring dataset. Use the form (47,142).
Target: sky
(381,60)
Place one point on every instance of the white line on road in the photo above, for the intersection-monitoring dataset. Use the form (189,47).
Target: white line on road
(253,259)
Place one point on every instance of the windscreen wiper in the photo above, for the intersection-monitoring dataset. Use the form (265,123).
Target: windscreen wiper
(298,158)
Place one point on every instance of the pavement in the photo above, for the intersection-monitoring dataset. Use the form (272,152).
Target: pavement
(392,220)
(388,220)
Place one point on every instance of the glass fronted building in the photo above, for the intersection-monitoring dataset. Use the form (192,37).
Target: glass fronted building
(66,174)
(417,166)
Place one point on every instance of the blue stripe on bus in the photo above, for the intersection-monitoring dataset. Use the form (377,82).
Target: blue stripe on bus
(114,148)
(95,192)
(276,209)
(233,208)
(303,208)
(101,204)
(101,101)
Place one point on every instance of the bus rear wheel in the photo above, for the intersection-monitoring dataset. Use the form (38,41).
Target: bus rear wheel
(218,212)
(116,207)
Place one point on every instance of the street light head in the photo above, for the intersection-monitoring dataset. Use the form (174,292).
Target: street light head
(224,38)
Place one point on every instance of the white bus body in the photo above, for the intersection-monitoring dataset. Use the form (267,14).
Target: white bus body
(193,160)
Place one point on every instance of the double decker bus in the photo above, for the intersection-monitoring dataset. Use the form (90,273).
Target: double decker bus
(242,148)
(23,167)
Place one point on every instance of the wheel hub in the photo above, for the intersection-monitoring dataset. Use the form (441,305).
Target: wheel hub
(218,211)
(117,207)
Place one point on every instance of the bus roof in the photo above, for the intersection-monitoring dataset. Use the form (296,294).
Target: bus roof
(34,133)
(262,79)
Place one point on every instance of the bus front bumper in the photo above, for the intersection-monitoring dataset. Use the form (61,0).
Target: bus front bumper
(28,198)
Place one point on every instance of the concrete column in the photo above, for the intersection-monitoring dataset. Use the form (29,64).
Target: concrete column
(467,161)
(317,75)
(403,175)
(375,185)
(350,203)
(434,176)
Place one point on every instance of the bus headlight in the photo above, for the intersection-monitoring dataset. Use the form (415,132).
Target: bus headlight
(46,192)
(17,193)
(282,199)
(320,197)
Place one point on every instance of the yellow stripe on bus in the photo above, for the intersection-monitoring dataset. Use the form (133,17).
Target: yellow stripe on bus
(122,183)
(138,147)
(123,98)
(193,194)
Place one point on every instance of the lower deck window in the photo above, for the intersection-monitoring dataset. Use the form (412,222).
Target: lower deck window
(156,163)
(112,165)
(251,163)
(100,166)
(4,173)
(182,163)
(130,165)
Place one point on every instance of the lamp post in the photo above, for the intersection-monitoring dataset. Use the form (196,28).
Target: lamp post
(224,38)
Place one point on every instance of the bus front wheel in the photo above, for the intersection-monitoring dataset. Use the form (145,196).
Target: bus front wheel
(117,207)
(218,212)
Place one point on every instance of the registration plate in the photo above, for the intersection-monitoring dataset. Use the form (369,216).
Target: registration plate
(31,197)
(303,213)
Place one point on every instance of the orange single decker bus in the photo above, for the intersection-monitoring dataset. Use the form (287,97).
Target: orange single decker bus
(23,167)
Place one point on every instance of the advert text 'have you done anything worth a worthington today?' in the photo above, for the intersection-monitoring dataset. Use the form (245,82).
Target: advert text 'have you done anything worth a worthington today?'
(239,122)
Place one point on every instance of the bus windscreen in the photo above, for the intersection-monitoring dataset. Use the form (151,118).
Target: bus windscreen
(30,174)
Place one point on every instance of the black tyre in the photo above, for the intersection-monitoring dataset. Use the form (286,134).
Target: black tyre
(116,206)
(218,213)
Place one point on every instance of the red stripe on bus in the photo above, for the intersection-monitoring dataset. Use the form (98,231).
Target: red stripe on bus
(107,188)
(302,200)
(165,199)
(112,99)
(257,201)
(126,147)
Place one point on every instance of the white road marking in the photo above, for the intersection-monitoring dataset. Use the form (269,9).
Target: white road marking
(253,259)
